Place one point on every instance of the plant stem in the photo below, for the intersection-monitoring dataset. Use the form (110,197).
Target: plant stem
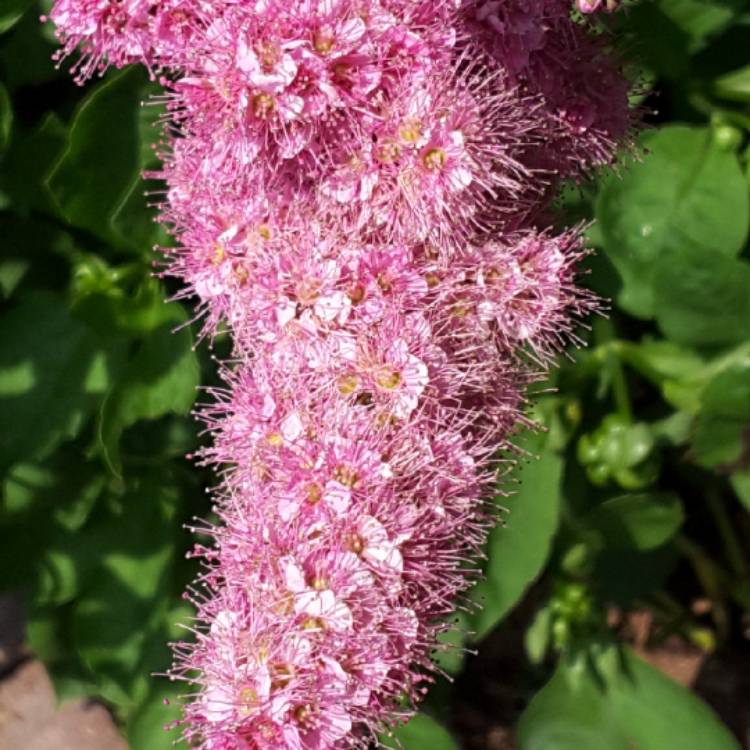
(732,547)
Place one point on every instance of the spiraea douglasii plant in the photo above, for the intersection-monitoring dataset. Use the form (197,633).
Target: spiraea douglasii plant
(361,198)
(357,191)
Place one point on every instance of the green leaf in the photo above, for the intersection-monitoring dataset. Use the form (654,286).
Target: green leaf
(538,635)
(741,485)
(640,521)
(722,428)
(26,52)
(423,733)
(63,488)
(53,373)
(659,360)
(147,728)
(518,550)
(700,19)
(101,167)
(702,299)
(27,163)
(686,193)
(161,378)
(734,85)
(612,699)
(6,117)
(127,590)
(12,12)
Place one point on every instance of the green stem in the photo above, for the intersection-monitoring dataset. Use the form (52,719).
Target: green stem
(712,578)
(732,547)
(605,335)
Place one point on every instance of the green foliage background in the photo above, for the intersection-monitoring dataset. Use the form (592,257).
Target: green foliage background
(639,498)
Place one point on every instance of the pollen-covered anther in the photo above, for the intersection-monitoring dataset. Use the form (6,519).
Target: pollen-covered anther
(218,255)
(269,55)
(313,493)
(461,308)
(263,105)
(313,623)
(281,675)
(355,544)
(384,281)
(241,274)
(346,475)
(248,700)
(387,152)
(410,131)
(265,231)
(356,294)
(434,158)
(308,291)
(323,40)
(388,378)
(432,280)
(347,384)
(304,716)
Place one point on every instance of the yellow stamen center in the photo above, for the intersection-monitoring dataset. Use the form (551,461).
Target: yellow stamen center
(432,280)
(268,54)
(314,493)
(384,282)
(348,384)
(262,105)
(346,475)
(434,158)
(264,231)
(410,131)
(218,255)
(323,41)
(388,378)
(357,294)
(388,151)
(355,544)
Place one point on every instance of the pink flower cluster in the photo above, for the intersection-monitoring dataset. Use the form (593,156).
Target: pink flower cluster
(359,191)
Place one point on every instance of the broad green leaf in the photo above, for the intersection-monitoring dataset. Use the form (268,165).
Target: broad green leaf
(133,314)
(700,19)
(34,254)
(685,193)
(722,428)
(423,733)
(702,299)
(741,485)
(538,635)
(518,549)
(53,373)
(101,167)
(660,44)
(26,51)
(47,631)
(11,13)
(612,699)
(128,588)
(659,360)
(734,85)
(640,521)
(161,378)
(148,729)
(27,163)
(63,488)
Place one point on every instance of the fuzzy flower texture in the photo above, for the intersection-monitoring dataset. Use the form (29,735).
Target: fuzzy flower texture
(359,191)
